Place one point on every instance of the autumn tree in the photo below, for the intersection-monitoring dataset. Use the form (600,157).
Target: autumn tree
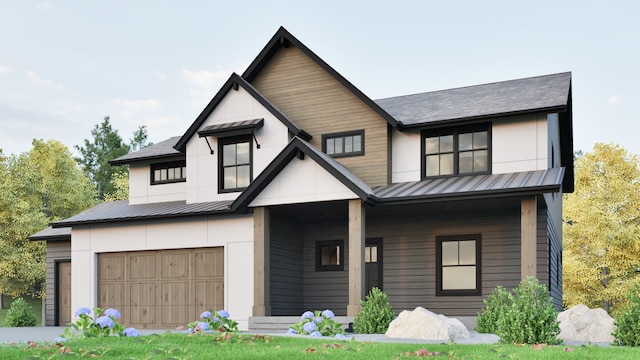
(107,145)
(601,246)
(36,188)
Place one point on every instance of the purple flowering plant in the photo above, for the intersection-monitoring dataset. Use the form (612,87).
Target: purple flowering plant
(210,322)
(317,323)
(101,323)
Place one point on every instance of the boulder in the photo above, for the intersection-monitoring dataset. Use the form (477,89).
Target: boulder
(582,324)
(426,325)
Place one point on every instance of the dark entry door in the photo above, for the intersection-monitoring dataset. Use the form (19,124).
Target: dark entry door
(373,264)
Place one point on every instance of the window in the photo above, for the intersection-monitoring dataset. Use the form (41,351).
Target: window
(343,144)
(235,157)
(456,152)
(330,255)
(458,270)
(165,173)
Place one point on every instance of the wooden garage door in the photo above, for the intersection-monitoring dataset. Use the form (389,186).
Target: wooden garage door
(161,289)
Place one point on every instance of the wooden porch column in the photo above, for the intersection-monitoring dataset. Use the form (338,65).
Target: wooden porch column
(356,255)
(528,235)
(261,262)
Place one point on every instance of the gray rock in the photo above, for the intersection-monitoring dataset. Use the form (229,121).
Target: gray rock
(582,324)
(424,324)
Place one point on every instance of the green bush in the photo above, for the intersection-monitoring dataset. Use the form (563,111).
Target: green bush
(20,314)
(525,315)
(375,315)
(627,332)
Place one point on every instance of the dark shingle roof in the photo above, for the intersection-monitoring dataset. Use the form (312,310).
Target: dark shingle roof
(517,184)
(52,234)
(521,96)
(118,211)
(161,150)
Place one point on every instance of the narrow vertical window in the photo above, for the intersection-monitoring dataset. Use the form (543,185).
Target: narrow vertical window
(235,163)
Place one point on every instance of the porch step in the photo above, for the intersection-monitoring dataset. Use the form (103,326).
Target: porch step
(277,324)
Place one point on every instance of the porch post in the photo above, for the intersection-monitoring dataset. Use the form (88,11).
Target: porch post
(356,255)
(528,234)
(261,262)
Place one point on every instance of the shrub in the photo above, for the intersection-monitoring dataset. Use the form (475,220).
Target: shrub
(220,321)
(375,315)
(627,332)
(525,315)
(20,314)
(102,323)
(316,324)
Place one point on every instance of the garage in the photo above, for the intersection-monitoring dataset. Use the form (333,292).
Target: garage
(161,289)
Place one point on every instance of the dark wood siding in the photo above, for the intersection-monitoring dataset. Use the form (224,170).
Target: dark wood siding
(319,104)
(286,267)
(56,251)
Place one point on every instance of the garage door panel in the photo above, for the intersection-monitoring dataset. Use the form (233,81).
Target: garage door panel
(111,267)
(142,267)
(175,266)
(162,289)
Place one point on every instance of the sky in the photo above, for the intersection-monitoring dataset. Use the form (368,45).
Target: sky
(65,65)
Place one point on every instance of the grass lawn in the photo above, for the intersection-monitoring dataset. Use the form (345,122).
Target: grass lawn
(245,346)
(36,306)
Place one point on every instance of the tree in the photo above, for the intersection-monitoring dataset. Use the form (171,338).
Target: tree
(120,185)
(107,145)
(36,188)
(602,229)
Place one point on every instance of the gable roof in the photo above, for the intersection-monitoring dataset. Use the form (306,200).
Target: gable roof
(283,38)
(161,150)
(300,148)
(234,82)
(549,93)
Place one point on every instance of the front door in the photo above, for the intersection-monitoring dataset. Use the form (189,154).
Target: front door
(373,264)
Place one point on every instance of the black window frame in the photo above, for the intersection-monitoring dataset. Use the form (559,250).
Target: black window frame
(227,141)
(461,292)
(455,132)
(343,135)
(182,164)
(330,243)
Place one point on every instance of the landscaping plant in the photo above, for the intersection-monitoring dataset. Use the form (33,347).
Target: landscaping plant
(102,323)
(375,314)
(20,314)
(627,332)
(525,315)
(317,324)
(209,323)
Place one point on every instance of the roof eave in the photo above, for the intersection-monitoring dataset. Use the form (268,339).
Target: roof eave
(140,218)
(117,162)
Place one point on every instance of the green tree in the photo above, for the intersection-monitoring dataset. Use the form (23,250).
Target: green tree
(120,185)
(106,146)
(602,229)
(36,188)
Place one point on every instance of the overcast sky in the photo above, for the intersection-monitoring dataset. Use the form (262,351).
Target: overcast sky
(65,65)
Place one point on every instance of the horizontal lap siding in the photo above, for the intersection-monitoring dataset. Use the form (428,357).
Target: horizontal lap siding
(56,250)
(319,104)
(286,266)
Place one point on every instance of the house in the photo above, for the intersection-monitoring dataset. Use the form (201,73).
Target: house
(294,191)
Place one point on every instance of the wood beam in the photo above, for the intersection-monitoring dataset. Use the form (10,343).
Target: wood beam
(356,255)
(261,262)
(528,235)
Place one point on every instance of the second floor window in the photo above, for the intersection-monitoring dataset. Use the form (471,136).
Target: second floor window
(164,173)
(343,144)
(456,152)
(235,163)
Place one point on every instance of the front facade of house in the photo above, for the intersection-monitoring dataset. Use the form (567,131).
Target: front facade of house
(293,191)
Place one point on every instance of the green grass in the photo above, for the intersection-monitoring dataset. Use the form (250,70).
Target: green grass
(36,306)
(245,346)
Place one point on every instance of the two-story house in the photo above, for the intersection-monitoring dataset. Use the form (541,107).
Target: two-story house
(294,191)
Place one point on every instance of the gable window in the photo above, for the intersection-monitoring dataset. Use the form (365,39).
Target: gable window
(456,151)
(235,157)
(171,172)
(458,270)
(330,255)
(343,144)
